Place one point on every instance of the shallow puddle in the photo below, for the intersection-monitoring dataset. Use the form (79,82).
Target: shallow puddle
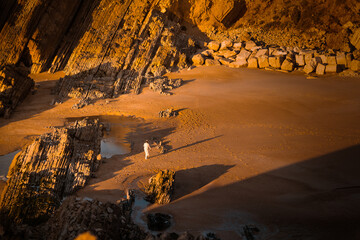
(114,141)
(5,162)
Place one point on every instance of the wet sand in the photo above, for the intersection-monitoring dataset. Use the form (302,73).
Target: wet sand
(250,147)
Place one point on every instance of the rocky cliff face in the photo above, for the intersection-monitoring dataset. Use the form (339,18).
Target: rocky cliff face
(125,34)
(14,87)
(53,166)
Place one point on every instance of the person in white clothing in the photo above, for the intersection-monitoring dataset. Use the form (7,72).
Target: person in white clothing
(146,149)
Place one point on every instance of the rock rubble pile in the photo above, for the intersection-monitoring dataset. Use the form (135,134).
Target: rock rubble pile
(252,55)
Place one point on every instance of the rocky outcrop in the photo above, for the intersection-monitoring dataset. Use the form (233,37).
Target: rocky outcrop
(53,166)
(15,85)
(161,187)
(103,220)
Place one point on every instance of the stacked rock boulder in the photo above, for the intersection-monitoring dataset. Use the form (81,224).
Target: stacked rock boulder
(255,55)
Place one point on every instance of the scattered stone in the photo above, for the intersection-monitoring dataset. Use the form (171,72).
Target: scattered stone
(212,62)
(158,221)
(253,63)
(198,60)
(161,187)
(275,61)
(240,62)
(263,61)
(349,73)
(213,45)
(207,53)
(287,65)
(332,68)
(320,69)
(168,113)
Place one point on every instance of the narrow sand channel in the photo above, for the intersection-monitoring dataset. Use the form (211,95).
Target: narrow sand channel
(250,147)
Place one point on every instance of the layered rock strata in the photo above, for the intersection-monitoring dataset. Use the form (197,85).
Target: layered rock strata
(139,54)
(53,166)
(15,85)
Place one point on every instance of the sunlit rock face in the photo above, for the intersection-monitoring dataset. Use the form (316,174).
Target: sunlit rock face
(82,35)
(53,166)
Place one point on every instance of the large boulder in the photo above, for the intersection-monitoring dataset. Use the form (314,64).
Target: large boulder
(244,54)
(275,61)
(161,187)
(253,63)
(263,61)
(198,60)
(287,65)
(241,62)
(300,60)
(320,69)
(214,45)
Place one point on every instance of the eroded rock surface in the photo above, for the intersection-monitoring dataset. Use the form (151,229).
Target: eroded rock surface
(161,187)
(53,166)
(103,220)
(15,85)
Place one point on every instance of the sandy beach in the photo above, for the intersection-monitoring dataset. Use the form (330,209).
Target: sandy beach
(249,147)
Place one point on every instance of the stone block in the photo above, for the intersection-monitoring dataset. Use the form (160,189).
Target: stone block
(214,45)
(226,44)
(212,62)
(341,59)
(323,59)
(198,60)
(355,65)
(250,45)
(253,63)
(349,58)
(263,61)
(355,39)
(237,46)
(208,53)
(331,60)
(308,57)
(300,60)
(239,63)
(309,68)
(332,68)
(320,69)
(244,54)
(272,50)
(227,53)
(225,61)
(275,61)
(279,53)
(262,52)
(287,65)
